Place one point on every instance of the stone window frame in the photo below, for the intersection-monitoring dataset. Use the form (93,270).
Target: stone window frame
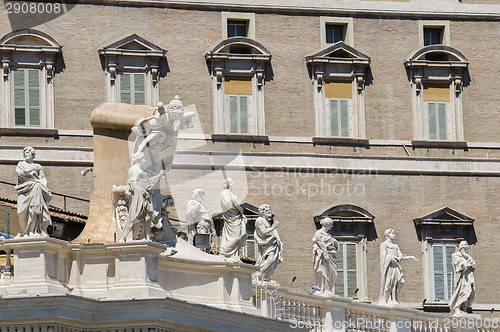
(352,224)
(134,54)
(30,48)
(256,65)
(426,73)
(349,31)
(444,25)
(247,17)
(354,68)
(442,226)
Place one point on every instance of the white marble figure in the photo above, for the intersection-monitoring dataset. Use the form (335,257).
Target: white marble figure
(325,249)
(34,196)
(141,215)
(268,243)
(392,278)
(197,217)
(464,289)
(234,230)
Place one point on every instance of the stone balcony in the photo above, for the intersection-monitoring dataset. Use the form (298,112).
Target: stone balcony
(140,286)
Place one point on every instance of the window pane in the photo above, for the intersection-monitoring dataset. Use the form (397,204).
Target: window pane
(125,88)
(34,116)
(344,118)
(334,33)
(237,28)
(250,252)
(432,36)
(20,116)
(442,121)
(139,89)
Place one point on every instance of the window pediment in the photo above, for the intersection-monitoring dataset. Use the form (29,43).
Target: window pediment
(133,45)
(239,48)
(29,40)
(339,53)
(445,224)
(446,56)
(349,221)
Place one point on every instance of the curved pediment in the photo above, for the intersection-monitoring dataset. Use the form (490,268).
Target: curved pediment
(239,46)
(437,53)
(339,52)
(346,212)
(27,39)
(133,45)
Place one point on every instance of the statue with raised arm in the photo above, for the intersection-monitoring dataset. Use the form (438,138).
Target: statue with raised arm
(464,289)
(268,243)
(34,196)
(325,249)
(392,278)
(141,214)
(197,217)
(234,231)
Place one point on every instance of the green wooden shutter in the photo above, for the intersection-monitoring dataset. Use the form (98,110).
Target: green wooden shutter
(344,117)
(347,282)
(26,84)
(437,120)
(239,114)
(443,132)
(432,114)
(339,117)
(34,97)
(442,270)
(334,118)
(243,116)
(139,88)
(19,97)
(233,114)
(126,88)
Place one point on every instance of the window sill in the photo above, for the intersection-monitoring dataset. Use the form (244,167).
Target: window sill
(436,307)
(340,141)
(263,139)
(30,132)
(440,144)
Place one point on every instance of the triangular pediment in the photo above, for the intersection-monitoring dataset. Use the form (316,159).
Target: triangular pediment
(339,50)
(133,43)
(445,215)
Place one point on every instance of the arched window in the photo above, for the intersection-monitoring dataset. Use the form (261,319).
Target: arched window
(239,67)
(353,226)
(30,59)
(437,74)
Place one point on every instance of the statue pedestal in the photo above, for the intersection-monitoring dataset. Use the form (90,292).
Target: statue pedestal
(39,266)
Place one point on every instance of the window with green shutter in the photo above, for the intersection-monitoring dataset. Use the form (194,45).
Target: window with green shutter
(437,120)
(133,88)
(238,113)
(347,277)
(338,117)
(442,270)
(26,97)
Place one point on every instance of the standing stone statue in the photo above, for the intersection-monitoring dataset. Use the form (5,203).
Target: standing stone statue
(463,289)
(392,278)
(141,215)
(325,249)
(234,231)
(34,196)
(197,217)
(268,242)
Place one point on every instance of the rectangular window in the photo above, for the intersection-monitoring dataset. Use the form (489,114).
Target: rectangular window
(437,115)
(237,28)
(433,36)
(339,117)
(335,33)
(26,85)
(346,283)
(238,104)
(249,250)
(442,270)
(133,88)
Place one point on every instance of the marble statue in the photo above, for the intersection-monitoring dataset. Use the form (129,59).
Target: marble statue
(325,249)
(392,278)
(141,215)
(34,196)
(463,275)
(268,243)
(234,230)
(197,217)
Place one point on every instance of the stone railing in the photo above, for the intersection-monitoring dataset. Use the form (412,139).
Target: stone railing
(6,269)
(317,313)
